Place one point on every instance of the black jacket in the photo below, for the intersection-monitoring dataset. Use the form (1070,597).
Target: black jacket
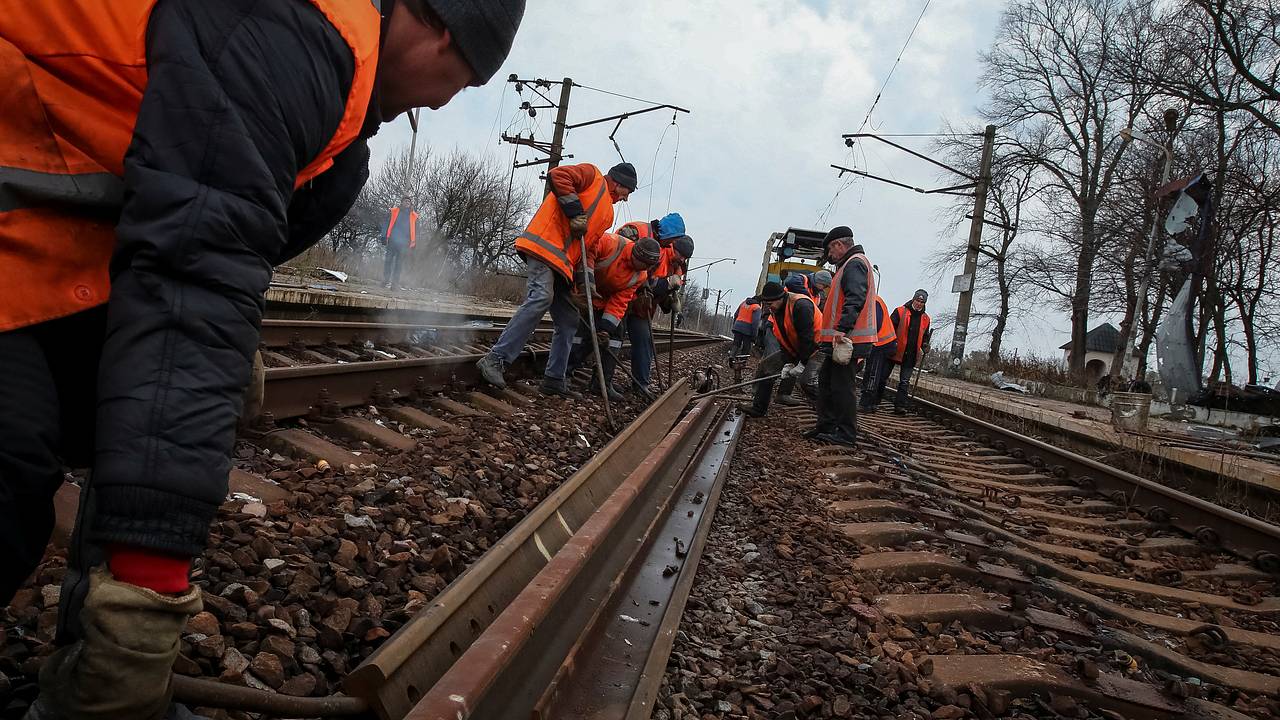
(241,95)
(853,281)
(802,320)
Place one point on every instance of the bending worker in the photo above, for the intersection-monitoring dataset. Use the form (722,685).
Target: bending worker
(796,322)
(661,292)
(159,157)
(912,325)
(580,205)
(621,268)
(848,318)
(816,286)
(876,371)
(746,323)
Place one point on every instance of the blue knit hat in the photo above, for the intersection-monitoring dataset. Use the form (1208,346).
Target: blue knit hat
(672,225)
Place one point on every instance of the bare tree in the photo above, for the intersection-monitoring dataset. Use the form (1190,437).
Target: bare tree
(1055,82)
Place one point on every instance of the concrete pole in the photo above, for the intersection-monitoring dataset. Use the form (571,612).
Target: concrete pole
(557,137)
(961,334)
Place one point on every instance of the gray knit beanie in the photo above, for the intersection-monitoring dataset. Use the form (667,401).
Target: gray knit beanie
(482,29)
(647,252)
(822,278)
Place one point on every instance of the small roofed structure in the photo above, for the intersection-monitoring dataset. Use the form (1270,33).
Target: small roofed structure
(1100,346)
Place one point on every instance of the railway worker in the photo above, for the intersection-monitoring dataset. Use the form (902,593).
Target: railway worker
(660,292)
(579,206)
(746,323)
(796,321)
(848,323)
(911,323)
(622,267)
(158,157)
(821,282)
(665,229)
(401,237)
(876,370)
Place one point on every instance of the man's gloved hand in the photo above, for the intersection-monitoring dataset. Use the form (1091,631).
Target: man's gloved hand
(676,303)
(579,301)
(121,666)
(602,338)
(792,370)
(642,304)
(578,225)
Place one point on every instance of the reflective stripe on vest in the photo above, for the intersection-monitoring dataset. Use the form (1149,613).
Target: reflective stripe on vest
(560,252)
(904,326)
(74,75)
(864,328)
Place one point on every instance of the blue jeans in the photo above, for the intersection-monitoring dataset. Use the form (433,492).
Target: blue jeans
(640,331)
(546,291)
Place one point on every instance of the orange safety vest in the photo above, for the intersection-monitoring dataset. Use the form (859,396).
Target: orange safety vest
(885,333)
(904,323)
(864,328)
(616,277)
(548,238)
(74,74)
(784,328)
(746,312)
(413,225)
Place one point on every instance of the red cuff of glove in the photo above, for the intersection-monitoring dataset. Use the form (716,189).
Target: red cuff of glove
(149,569)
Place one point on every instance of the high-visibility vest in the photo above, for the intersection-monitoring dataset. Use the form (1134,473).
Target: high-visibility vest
(548,238)
(413,225)
(864,327)
(904,324)
(885,333)
(746,313)
(617,278)
(74,72)
(784,325)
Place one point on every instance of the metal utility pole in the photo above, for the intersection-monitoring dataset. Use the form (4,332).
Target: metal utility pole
(964,284)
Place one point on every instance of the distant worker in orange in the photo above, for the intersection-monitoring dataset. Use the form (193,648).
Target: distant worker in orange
(401,237)
(912,325)
(876,370)
(746,323)
(580,205)
(622,267)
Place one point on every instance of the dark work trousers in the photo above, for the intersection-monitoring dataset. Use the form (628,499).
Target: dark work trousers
(875,373)
(837,406)
(48,396)
(741,344)
(905,370)
(582,353)
(640,330)
(770,365)
(391,267)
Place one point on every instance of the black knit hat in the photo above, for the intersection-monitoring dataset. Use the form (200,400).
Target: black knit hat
(624,174)
(647,252)
(772,291)
(483,30)
(683,246)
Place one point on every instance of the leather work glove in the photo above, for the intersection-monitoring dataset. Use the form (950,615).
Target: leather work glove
(579,300)
(602,338)
(792,370)
(642,305)
(120,668)
(578,226)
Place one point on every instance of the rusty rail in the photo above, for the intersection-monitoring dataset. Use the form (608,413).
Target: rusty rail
(278,334)
(1211,524)
(526,663)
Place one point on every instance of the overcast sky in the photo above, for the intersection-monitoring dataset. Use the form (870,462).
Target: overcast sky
(771,85)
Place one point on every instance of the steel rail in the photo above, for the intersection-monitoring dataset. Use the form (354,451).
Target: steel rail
(296,391)
(510,670)
(1210,524)
(279,334)
(399,673)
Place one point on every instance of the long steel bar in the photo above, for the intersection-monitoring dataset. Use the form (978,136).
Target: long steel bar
(411,661)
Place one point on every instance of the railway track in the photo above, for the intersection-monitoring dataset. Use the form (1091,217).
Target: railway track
(1014,576)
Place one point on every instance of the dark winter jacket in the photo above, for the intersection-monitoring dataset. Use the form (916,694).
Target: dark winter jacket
(854,283)
(241,94)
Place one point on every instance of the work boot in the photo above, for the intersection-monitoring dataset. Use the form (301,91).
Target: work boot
(614,395)
(899,411)
(751,411)
(491,367)
(791,400)
(553,386)
(120,668)
(836,440)
(811,433)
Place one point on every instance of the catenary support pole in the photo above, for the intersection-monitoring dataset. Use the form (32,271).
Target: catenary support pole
(961,334)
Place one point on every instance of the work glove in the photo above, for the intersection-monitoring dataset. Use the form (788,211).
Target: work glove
(676,303)
(579,301)
(642,305)
(578,226)
(121,666)
(792,370)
